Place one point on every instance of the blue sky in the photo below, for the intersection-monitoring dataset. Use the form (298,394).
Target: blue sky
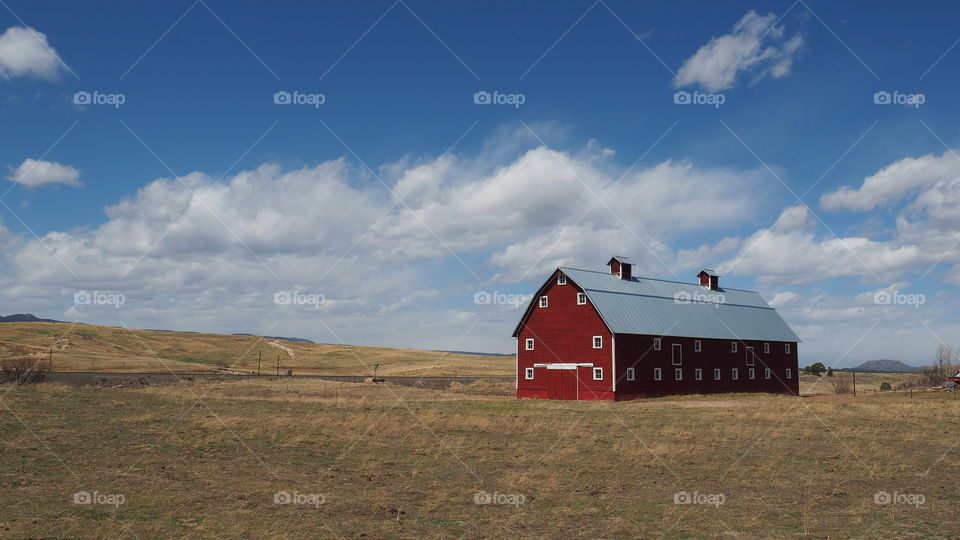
(398,198)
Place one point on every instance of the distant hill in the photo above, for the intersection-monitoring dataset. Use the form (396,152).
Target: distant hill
(882,366)
(23,317)
(474,353)
(297,339)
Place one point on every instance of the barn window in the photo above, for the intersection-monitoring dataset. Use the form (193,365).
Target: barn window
(657,374)
(751,373)
(631,374)
(734,373)
(528,373)
(656,344)
(529,344)
(766,373)
(543,301)
(597,342)
(678,374)
(598,373)
(698,374)
(696,346)
(766,348)
(581,299)
(750,356)
(789,373)
(716,374)
(786,348)
(733,346)
(561,279)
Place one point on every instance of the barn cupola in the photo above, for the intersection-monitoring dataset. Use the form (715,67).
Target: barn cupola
(709,278)
(622,267)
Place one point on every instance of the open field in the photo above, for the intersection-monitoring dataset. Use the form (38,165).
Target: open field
(205,459)
(81,347)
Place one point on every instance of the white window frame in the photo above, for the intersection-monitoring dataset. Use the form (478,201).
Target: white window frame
(675,347)
(716,374)
(766,373)
(528,373)
(631,374)
(657,344)
(598,373)
(595,339)
(751,374)
(544,301)
(657,374)
(733,346)
(698,374)
(751,356)
(528,344)
(734,374)
(766,348)
(581,299)
(561,279)
(786,348)
(697,346)
(678,374)
(789,373)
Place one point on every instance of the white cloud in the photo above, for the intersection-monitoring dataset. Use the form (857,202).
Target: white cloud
(35,173)
(25,52)
(894,182)
(755,47)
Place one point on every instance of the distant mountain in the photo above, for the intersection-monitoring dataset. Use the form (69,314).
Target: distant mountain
(298,339)
(882,366)
(24,317)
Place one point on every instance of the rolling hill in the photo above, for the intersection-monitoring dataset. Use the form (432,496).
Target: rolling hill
(82,347)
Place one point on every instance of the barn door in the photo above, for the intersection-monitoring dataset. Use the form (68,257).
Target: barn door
(677,354)
(562,383)
(750,356)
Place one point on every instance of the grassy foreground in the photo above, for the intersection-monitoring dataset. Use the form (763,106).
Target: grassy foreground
(208,458)
(83,347)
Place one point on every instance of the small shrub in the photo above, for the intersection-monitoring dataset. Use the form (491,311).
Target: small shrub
(24,370)
(885,387)
(842,384)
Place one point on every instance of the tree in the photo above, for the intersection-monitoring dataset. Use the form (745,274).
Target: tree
(885,387)
(830,372)
(815,369)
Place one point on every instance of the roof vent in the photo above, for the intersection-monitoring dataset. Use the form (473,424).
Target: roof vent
(709,278)
(621,266)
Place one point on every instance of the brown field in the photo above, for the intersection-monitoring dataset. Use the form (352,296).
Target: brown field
(205,459)
(81,347)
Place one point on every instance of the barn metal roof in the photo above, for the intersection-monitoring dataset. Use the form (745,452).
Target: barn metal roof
(622,259)
(669,308)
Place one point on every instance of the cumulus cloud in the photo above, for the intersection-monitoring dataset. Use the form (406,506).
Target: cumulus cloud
(36,173)
(895,181)
(24,52)
(755,46)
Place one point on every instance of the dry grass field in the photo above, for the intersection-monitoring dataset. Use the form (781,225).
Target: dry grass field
(81,347)
(207,459)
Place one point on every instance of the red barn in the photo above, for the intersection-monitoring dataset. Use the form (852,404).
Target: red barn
(590,335)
